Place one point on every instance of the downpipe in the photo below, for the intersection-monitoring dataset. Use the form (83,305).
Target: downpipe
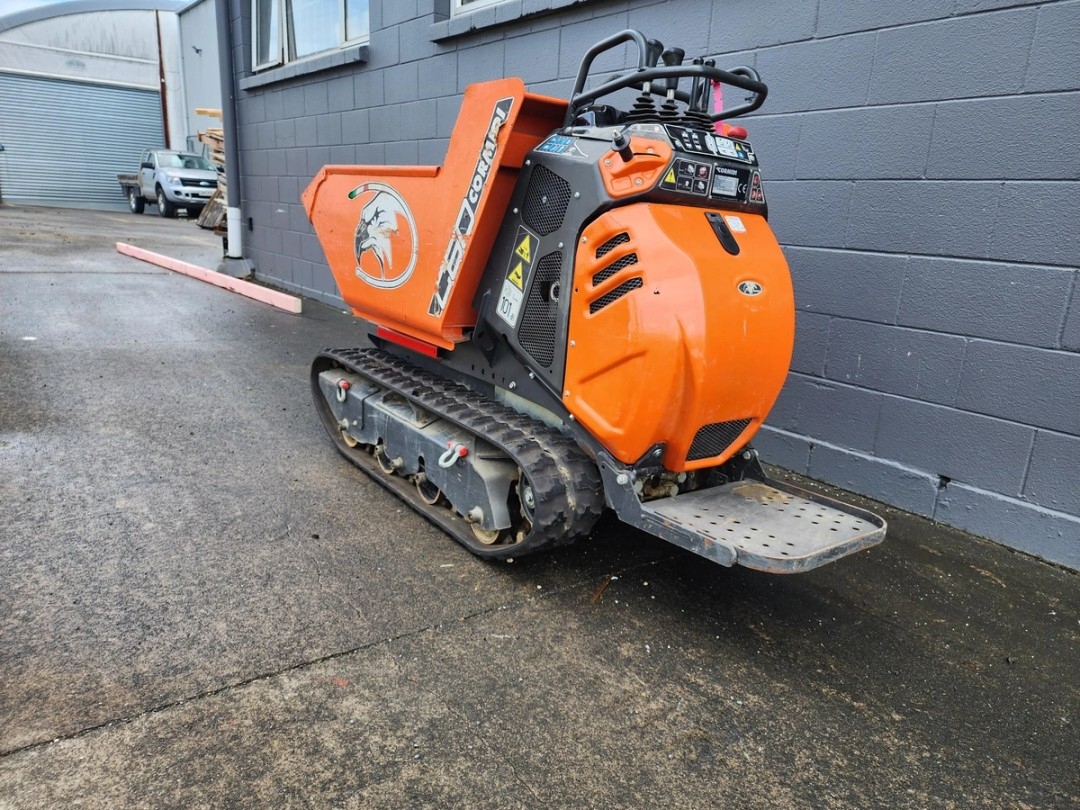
(233,264)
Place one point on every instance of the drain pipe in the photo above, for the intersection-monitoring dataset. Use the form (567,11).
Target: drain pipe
(233,264)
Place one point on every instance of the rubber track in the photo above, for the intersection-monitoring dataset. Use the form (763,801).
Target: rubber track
(566,483)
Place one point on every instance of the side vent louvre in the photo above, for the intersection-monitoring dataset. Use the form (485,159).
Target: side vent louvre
(614,267)
(714,439)
(539,319)
(612,243)
(545,201)
(614,295)
(604,273)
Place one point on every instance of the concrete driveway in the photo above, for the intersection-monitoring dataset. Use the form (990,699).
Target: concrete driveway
(203,605)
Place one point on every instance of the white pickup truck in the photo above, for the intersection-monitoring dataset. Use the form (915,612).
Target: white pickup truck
(172,180)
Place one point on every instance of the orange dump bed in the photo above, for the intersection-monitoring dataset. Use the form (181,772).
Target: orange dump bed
(407,244)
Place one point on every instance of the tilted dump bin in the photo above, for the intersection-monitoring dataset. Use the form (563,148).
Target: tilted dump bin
(420,236)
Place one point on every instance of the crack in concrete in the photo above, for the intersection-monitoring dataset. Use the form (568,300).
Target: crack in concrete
(209,693)
(299,667)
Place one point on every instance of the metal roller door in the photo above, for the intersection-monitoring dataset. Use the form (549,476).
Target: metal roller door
(65,142)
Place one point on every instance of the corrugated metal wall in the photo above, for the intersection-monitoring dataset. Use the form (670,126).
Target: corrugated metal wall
(66,141)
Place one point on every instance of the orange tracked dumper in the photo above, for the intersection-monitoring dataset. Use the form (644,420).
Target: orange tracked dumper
(583,309)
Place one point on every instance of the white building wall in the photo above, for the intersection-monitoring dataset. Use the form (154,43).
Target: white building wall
(201,77)
(173,76)
(113,47)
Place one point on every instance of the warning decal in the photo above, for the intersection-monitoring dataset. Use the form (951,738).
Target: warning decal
(524,246)
(689,176)
(517,276)
(756,194)
(513,288)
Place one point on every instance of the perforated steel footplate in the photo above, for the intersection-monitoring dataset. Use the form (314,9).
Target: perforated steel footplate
(773,526)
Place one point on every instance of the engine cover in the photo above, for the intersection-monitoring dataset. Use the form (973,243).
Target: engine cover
(673,339)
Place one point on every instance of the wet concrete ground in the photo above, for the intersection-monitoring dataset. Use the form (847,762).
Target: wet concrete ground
(203,605)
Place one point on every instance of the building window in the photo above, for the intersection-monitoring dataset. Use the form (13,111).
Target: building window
(465,6)
(287,30)
(446,10)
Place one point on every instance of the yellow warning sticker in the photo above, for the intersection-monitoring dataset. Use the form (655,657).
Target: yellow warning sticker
(670,176)
(524,250)
(517,276)
(520,267)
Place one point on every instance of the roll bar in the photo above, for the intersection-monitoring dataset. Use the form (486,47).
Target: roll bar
(648,72)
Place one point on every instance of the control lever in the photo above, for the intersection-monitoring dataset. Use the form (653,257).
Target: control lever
(695,88)
(654,52)
(644,108)
(706,88)
(672,57)
(620,142)
(652,56)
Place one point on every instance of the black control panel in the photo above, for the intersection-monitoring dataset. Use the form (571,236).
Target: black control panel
(712,179)
(716,168)
(697,142)
(707,166)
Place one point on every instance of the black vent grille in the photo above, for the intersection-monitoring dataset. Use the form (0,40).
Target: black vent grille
(614,267)
(714,439)
(612,243)
(536,332)
(613,296)
(545,201)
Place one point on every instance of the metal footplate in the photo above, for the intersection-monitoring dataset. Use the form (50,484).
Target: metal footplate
(763,524)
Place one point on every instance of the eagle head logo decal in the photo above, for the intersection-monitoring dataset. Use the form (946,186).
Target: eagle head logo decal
(386,241)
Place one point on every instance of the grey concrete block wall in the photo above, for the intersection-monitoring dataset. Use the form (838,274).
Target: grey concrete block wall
(922,165)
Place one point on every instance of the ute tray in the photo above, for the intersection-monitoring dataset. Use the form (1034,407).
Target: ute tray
(770,525)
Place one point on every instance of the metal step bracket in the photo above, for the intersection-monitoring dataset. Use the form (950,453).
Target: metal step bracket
(764,524)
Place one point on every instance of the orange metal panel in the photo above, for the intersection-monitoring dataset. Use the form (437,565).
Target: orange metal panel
(656,359)
(623,179)
(407,244)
